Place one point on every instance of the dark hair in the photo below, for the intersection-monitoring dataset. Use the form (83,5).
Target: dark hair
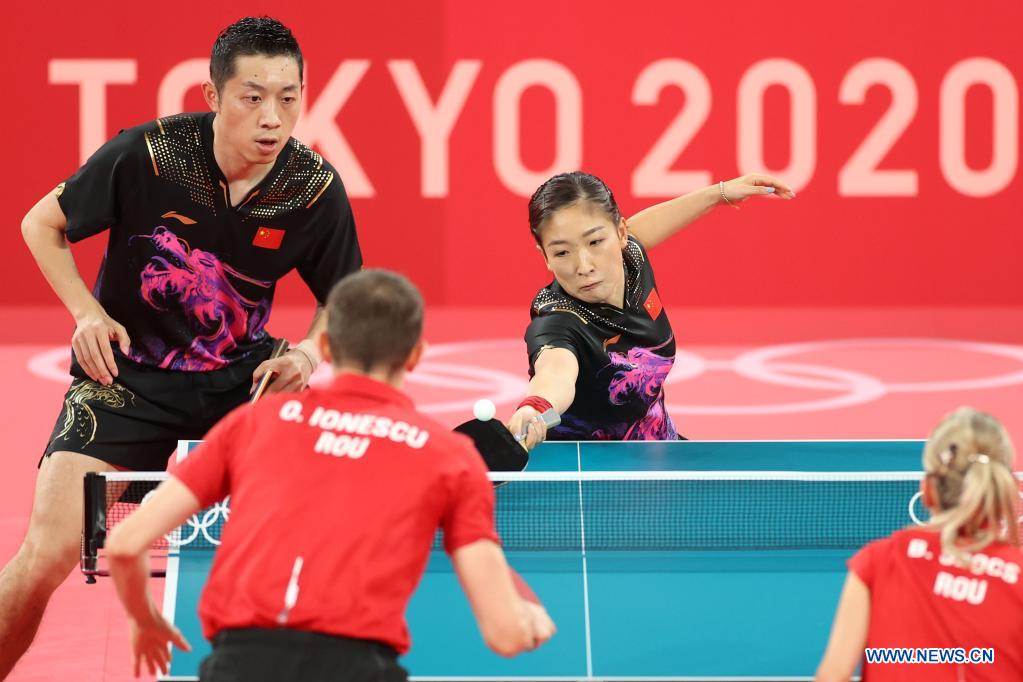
(251,36)
(568,189)
(374,319)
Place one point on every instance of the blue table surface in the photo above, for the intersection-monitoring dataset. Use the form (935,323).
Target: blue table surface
(632,615)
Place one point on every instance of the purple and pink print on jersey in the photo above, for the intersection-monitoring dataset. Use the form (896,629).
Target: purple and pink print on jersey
(639,376)
(198,284)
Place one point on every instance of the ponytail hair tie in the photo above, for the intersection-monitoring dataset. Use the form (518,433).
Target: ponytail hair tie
(945,457)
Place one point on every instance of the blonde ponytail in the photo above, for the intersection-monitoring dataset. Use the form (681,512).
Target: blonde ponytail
(971,457)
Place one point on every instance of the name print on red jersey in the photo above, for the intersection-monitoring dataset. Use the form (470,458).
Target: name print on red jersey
(960,587)
(347,434)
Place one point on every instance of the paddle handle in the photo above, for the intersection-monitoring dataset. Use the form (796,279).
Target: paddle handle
(280,347)
(550,417)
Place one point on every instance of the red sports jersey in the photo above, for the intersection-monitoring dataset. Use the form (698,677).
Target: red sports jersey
(336,492)
(920,599)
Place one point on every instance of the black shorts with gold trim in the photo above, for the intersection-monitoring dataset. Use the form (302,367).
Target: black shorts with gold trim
(136,422)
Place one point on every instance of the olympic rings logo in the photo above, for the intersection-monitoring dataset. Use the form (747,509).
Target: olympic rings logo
(450,371)
(769,365)
(202,523)
(776,365)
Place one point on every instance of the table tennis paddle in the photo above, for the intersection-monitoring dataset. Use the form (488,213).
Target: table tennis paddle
(279,349)
(501,450)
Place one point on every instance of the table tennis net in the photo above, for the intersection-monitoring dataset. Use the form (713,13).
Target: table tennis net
(610,511)
(111,496)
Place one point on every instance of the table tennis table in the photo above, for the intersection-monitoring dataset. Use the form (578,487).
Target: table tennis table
(709,598)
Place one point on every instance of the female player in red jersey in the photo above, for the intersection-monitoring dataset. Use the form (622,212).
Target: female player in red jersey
(600,345)
(950,590)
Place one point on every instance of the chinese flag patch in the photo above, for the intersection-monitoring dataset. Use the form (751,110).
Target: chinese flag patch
(653,305)
(268,238)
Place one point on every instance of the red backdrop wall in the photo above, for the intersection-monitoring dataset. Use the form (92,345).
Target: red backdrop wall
(897,122)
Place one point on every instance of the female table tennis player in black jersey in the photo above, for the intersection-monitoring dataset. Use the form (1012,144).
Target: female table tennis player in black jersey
(600,344)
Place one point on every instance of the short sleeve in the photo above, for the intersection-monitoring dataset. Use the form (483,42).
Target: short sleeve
(90,197)
(553,330)
(469,515)
(865,562)
(334,251)
(207,469)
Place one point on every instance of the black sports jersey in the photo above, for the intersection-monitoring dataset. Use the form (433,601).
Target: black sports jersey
(191,277)
(624,356)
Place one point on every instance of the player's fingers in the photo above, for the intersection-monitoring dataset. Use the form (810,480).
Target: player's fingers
(136,663)
(536,432)
(540,624)
(179,640)
(294,384)
(288,379)
(91,349)
(294,379)
(778,187)
(526,432)
(94,349)
(163,658)
(545,628)
(776,183)
(84,359)
(539,429)
(156,656)
(518,422)
(123,341)
(107,354)
(79,352)
(257,374)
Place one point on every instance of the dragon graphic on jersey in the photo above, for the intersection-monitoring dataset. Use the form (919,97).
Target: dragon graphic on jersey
(640,376)
(199,282)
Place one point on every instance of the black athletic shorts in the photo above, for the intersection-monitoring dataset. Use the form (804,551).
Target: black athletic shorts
(282,655)
(136,422)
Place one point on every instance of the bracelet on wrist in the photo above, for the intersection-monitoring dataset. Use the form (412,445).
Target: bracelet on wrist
(724,198)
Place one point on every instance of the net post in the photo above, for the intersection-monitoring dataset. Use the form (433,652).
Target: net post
(94,522)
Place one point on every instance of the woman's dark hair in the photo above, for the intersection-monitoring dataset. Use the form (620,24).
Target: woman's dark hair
(568,189)
(251,36)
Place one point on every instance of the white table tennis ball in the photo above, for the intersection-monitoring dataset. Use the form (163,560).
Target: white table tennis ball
(484,410)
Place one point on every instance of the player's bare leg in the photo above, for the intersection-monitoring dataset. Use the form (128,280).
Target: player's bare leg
(48,553)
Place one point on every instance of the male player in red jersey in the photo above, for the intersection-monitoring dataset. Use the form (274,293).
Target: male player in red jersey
(336,494)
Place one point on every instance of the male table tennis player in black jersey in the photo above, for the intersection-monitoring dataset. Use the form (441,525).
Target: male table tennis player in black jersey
(317,590)
(600,344)
(205,213)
